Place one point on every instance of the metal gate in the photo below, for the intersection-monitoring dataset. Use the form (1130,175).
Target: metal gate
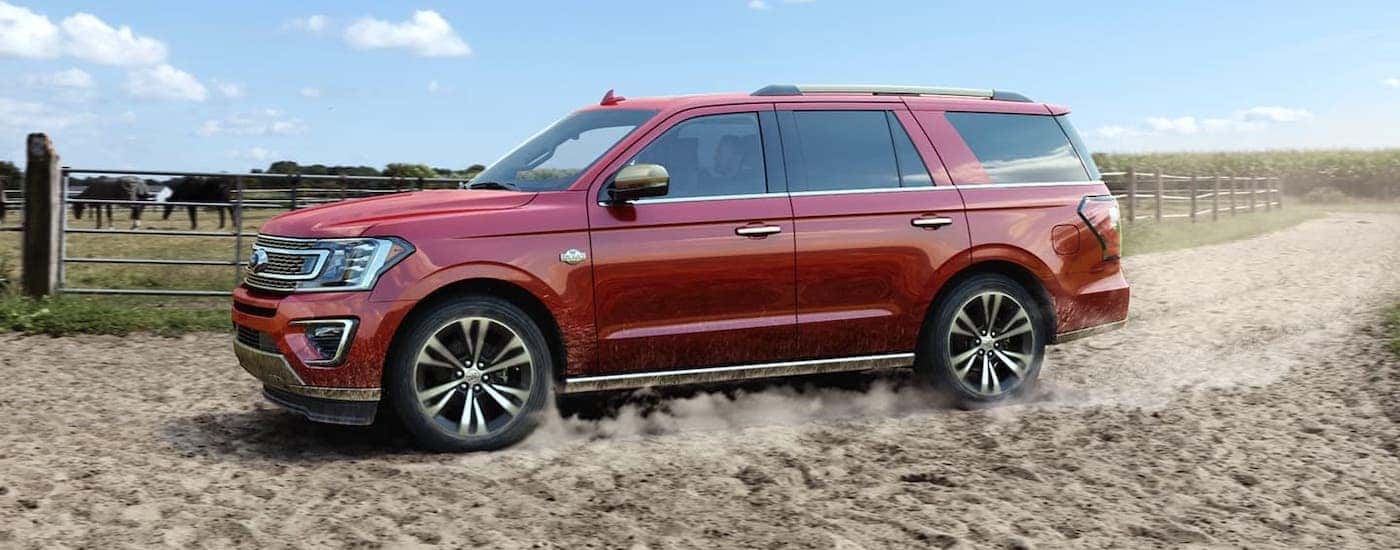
(298,196)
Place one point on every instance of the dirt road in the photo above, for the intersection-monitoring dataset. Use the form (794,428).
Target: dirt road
(1250,402)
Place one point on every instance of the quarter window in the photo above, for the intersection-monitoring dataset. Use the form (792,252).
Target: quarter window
(912,170)
(710,155)
(1019,148)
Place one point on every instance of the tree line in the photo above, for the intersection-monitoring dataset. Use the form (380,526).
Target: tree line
(393,169)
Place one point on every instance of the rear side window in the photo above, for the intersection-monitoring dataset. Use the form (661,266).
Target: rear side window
(839,150)
(710,155)
(1019,148)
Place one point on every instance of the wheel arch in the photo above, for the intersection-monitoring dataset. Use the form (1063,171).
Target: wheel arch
(1023,275)
(513,293)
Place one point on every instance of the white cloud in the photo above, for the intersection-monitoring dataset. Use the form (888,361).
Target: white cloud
(764,5)
(231,90)
(26,34)
(1391,82)
(1179,125)
(427,34)
(433,86)
(258,123)
(257,154)
(311,92)
(1272,114)
(26,116)
(71,79)
(311,23)
(1244,120)
(90,39)
(165,82)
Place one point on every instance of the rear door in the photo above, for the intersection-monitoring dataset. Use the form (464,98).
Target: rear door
(703,276)
(879,227)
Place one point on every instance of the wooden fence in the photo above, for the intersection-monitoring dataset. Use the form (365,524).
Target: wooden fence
(1144,196)
(1169,197)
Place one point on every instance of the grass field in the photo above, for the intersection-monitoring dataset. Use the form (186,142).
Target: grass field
(173,315)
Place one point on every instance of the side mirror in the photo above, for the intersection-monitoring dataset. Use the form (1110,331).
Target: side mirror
(639,181)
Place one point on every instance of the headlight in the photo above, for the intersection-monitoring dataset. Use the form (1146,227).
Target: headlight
(354,264)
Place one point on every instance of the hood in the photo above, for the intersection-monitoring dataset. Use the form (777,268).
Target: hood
(352,218)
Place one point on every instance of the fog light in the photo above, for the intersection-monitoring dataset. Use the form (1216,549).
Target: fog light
(329,338)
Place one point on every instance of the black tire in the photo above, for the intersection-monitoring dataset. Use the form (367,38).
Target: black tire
(941,344)
(403,374)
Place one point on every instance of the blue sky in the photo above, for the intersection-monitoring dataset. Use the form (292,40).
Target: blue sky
(231,86)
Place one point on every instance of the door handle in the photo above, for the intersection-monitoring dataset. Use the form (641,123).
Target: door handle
(931,222)
(757,230)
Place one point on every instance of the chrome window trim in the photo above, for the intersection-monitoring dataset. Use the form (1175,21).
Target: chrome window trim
(320,254)
(700,199)
(1029,184)
(861,191)
(735,372)
(864,191)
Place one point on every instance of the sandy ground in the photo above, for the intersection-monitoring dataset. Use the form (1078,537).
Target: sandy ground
(1250,402)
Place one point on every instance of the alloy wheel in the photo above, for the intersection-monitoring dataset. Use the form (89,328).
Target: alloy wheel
(991,344)
(473,377)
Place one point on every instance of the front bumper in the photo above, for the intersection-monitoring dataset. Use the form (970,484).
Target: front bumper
(280,357)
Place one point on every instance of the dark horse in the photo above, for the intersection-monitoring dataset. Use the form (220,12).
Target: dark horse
(108,189)
(201,189)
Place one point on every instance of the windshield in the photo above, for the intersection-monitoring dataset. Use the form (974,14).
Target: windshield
(555,157)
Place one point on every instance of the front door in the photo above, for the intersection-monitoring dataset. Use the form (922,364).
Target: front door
(703,276)
(877,231)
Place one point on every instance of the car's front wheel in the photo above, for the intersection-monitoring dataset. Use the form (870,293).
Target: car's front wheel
(469,374)
(985,341)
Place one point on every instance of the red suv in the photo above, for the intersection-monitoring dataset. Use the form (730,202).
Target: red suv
(706,238)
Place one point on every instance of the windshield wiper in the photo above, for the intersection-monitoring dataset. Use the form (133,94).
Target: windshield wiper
(493,185)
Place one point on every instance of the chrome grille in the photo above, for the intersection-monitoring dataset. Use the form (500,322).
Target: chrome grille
(269,241)
(288,260)
(254,280)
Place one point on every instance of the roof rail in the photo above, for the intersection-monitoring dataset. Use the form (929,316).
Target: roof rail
(803,89)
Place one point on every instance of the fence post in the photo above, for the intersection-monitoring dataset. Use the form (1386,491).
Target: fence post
(1132,195)
(1279,192)
(1157,195)
(342,187)
(43,210)
(1234,186)
(3,206)
(1193,199)
(1215,198)
(420,183)
(238,234)
(1253,190)
(294,184)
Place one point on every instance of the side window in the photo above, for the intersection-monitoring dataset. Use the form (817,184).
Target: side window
(710,155)
(1019,148)
(912,170)
(839,150)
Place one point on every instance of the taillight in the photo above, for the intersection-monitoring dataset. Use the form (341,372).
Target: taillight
(1100,212)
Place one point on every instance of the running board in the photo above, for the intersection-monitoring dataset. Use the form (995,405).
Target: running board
(739,372)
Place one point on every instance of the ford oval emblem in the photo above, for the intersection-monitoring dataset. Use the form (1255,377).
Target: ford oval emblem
(258,261)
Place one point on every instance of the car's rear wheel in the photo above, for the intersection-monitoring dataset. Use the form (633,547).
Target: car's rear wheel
(985,341)
(470,374)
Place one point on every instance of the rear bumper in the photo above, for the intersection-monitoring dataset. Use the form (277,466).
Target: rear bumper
(1087,332)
